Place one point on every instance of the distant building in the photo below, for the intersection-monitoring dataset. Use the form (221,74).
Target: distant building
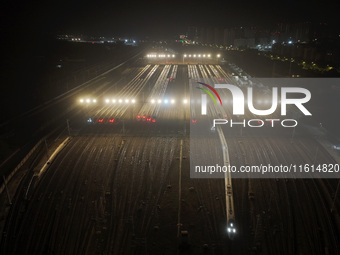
(311,52)
(290,39)
(218,36)
(210,35)
(192,33)
(202,35)
(228,36)
(244,43)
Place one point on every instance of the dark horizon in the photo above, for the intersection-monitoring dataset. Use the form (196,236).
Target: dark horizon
(154,19)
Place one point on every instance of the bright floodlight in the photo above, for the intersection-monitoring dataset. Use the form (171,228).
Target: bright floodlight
(113,100)
(185,101)
(173,55)
(94,101)
(166,101)
(189,56)
(172,101)
(218,55)
(209,55)
(153,101)
(126,100)
(159,101)
(204,55)
(185,55)
(81,100)
(199,55)
(133,101)
(88,100)
(120,100)
(194,55)
(107,101)
(168,56)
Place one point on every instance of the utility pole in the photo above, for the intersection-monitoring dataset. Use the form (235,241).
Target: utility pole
(293,134)
(8,195)
(335,196)
(316,153)
(185,110)
(185,120)
(68,127)
(290,68)
(47,154)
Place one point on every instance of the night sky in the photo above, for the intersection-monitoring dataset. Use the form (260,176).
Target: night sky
(152,18)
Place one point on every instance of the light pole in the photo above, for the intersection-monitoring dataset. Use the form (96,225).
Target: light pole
(290,68)
(316,154)
(273,72)
(8,195)
(133,108)
(46,147)
(217,58)
(293,134)
(335,196)
(68,127)
(185,101)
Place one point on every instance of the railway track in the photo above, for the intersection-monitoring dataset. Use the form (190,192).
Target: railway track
(109,191)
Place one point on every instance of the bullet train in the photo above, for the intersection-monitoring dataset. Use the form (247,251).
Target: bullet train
(231,226)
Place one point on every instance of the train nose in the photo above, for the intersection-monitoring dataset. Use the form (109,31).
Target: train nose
(231,230)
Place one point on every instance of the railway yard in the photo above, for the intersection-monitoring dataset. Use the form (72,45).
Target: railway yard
(122,184)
